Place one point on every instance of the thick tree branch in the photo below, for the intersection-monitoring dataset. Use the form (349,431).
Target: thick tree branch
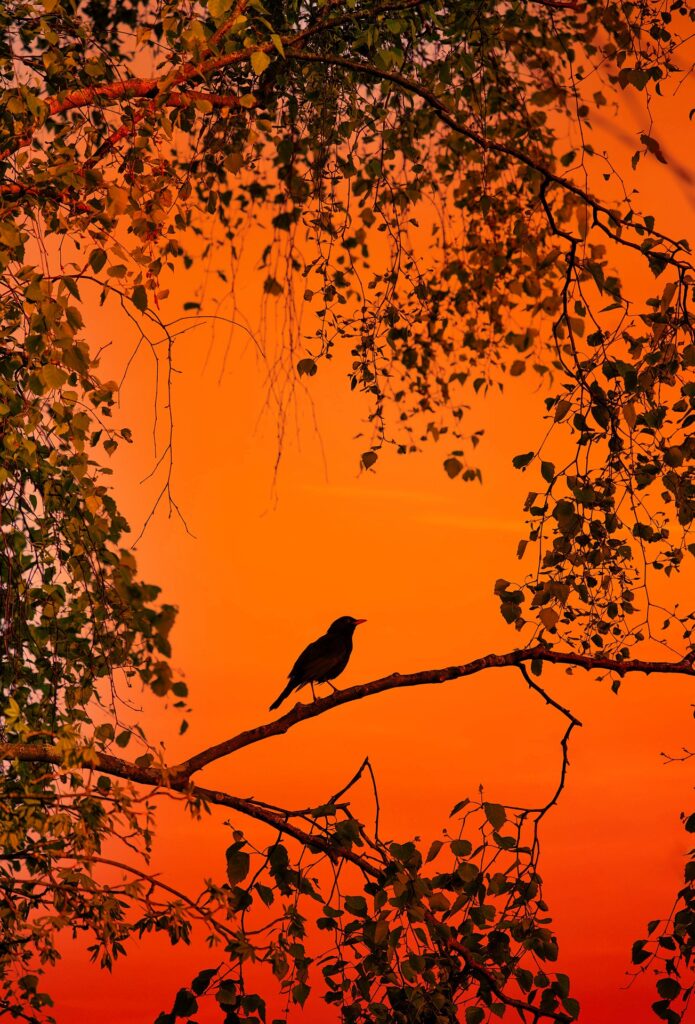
(36,753)
(301,712)
(177,776)
(161,86)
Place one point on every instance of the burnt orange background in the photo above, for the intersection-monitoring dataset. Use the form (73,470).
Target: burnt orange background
(417,556)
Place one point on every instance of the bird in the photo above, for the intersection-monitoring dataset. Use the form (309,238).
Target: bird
(322,660)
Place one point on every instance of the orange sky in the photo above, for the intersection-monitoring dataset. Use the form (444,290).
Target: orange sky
(417,556)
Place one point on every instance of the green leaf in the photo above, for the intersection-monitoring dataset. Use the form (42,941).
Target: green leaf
(218,8)
(259,61)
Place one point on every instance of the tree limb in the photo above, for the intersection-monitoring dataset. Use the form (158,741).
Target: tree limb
(301,712)
(176,776)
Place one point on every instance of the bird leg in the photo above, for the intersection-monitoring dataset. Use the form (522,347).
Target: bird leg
(333,688)
(313,691)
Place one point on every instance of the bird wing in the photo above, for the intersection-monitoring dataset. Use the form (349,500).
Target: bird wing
(317,660)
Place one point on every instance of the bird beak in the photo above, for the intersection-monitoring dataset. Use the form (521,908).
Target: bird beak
(358,621)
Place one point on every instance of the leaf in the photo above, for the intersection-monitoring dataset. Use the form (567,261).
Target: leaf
(453,467)
(458,807)
(300,993)
(259,61)
(140,298)
(271,286)
(238,864)
(522,461)
(668,988)
(639,953)
(356,905)
(561,409)
(202,980)
(368,459)
(495,814)
(226,994)
(53,376)
(548,617)
(654,148)
(434,850)
(548,471)
(218,8)
(234,162)
(474,1015)
(119,199)
(185,1003)
(306,367)
(461,847)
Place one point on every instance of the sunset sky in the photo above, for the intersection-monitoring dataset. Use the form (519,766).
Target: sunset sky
(273,559)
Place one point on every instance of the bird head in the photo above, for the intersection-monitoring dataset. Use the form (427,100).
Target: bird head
(345,624)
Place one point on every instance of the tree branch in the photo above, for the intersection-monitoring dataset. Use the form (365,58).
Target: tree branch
(302,712)
(176,776)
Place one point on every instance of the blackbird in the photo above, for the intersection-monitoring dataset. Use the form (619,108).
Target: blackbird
(324,659)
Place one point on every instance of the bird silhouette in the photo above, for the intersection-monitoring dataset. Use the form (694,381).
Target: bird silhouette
(324,659)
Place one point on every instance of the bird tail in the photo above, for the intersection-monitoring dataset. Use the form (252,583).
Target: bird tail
(285,693)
